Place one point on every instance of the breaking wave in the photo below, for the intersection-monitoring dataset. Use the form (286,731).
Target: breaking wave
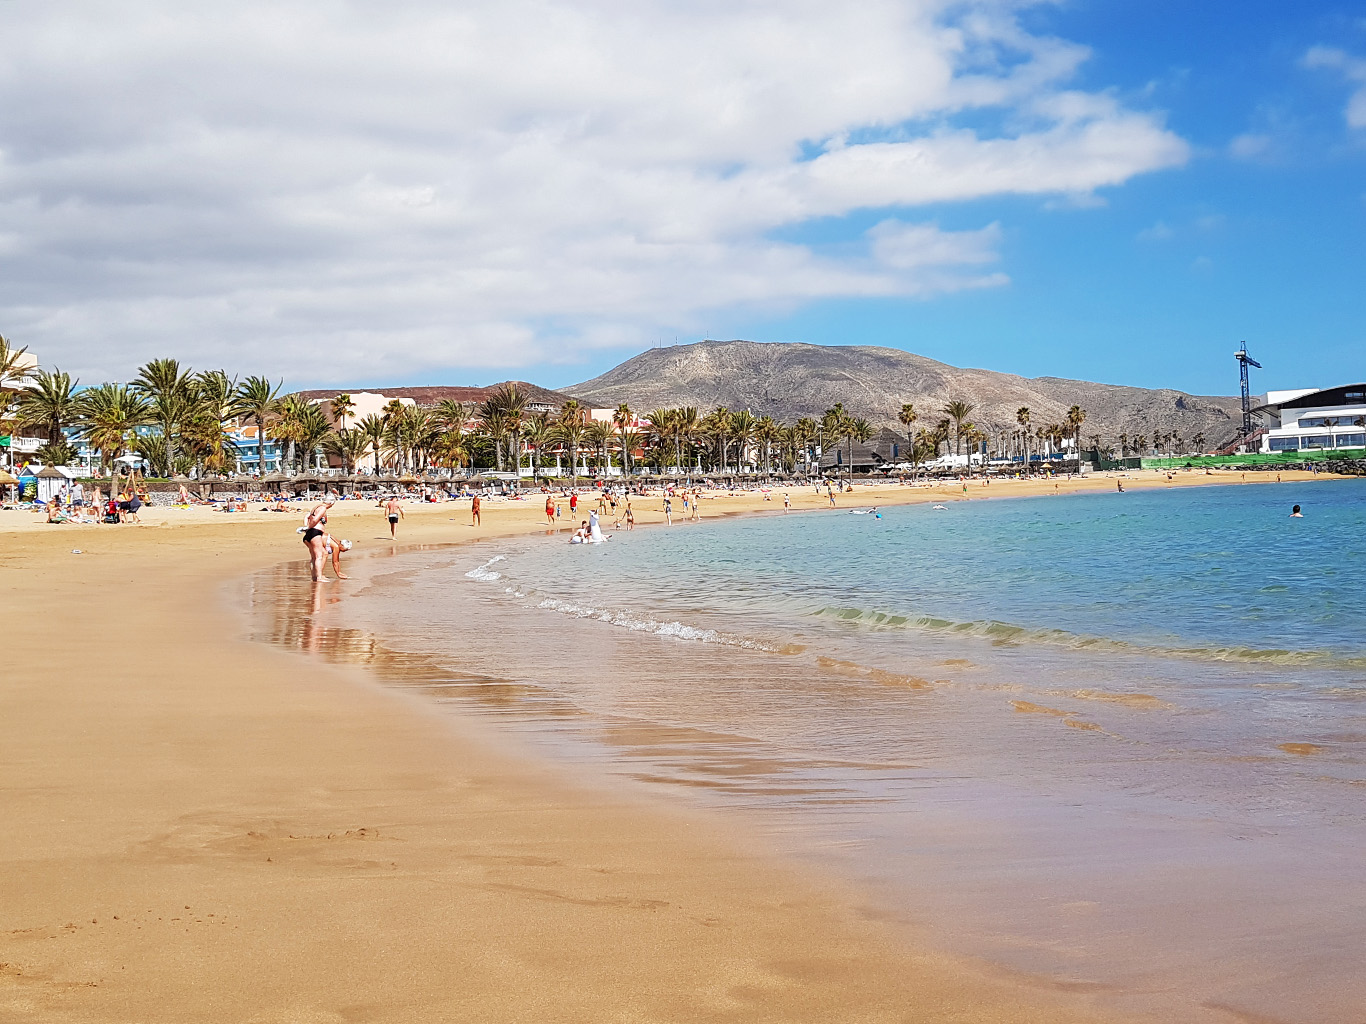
(1006,633)
(485,573)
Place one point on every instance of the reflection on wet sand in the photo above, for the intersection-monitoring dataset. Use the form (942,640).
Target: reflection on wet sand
(1126,853)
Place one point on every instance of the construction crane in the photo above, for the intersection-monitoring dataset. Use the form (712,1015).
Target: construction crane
(1244,361)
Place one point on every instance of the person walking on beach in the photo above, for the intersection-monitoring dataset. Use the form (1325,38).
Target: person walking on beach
(668,511)
(313,540)
(830,493)
(573,504)
(787,503)
(474,510)
(395,512)
(549,511)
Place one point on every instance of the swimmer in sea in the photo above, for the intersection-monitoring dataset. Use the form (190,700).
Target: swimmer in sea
(1295,513)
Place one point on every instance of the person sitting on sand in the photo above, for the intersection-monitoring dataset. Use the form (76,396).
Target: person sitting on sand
(56,515)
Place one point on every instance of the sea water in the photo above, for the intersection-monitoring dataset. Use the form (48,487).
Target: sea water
(1113,741)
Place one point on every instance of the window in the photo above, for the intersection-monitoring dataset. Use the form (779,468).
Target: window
(1355,398)
(1316,441)
(1351,441)
(1285,444)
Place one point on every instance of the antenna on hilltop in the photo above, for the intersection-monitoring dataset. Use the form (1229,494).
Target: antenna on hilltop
(1244,361)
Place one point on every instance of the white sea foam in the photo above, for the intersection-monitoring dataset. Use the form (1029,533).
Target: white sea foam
(484,572)
(678,630)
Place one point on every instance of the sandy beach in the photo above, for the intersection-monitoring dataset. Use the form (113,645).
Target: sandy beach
(201,827)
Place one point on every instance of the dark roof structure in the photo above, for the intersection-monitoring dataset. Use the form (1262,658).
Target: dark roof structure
(1347,394)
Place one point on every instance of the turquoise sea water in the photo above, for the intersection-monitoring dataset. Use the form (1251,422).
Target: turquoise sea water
(1116,741)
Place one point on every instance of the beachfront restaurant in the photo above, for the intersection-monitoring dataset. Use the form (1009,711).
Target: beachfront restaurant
(1314,420)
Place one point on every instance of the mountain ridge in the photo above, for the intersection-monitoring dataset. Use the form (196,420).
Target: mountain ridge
(788,380)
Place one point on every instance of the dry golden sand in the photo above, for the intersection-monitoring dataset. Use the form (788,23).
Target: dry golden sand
(200,828)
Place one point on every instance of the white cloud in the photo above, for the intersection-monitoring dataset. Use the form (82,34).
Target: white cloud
(337,191)
(1249,146)
(1159,232)
(1353,69)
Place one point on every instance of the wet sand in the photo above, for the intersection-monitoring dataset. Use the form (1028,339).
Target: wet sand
(204,828)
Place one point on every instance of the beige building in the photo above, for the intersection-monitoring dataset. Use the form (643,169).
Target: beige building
(365,403)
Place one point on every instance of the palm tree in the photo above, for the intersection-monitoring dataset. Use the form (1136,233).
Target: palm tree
(835,424)
(1022,418)
(743,425)
(108,416)
(1076,416)
(622,420)
(539,432)
(349,445)
(50,403)
(13,367)
(495,422)
(599,435)
(372,427)
(171,392)
(907,416)
(716,426)
(289,418)
(768,432)
(257,400)
(313,427)
(203,429)
(451,449)
(507,404)
(958,410)
(571,431)
(453,415)
(803,433)
(663,429)
(341,407)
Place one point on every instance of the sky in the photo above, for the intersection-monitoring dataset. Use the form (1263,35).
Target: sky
(343,194)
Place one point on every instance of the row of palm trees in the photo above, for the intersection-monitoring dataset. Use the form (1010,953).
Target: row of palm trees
(181,421)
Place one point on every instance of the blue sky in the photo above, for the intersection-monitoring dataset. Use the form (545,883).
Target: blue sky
(421,193)
(1156,286)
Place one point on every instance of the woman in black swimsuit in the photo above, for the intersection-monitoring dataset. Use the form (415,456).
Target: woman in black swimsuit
(313,540)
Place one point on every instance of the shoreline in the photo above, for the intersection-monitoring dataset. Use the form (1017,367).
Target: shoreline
(205,826)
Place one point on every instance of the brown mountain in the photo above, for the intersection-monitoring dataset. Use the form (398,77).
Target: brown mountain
(788,381)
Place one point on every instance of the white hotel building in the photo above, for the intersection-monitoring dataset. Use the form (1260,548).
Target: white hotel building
(1314,420)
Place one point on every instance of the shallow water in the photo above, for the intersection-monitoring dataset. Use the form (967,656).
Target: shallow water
(1114,741)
